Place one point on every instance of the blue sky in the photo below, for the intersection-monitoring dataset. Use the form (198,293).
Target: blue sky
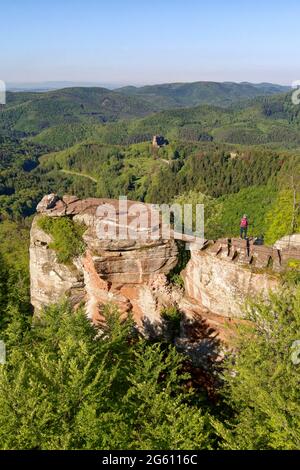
(150,41)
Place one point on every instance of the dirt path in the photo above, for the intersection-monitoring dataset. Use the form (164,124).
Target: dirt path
(75,173)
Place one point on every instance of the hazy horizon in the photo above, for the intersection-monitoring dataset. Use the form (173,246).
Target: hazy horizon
(142,43)
(53,84)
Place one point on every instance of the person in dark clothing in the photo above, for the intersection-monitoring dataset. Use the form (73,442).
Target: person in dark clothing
(244,226)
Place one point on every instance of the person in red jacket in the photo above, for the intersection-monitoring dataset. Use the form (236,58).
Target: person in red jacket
(244,226)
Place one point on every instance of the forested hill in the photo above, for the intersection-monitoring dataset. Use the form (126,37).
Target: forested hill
(61,118)
(95,142)
(30,113)
(262,120)
(172,95)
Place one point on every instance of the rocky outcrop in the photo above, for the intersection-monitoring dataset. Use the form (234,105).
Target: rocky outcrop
(222,275)
(289,242)
(51,280)
(130,273)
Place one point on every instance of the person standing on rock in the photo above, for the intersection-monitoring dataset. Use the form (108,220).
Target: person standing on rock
(244,226)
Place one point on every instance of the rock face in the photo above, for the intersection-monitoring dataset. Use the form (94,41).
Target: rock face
(50,280)
(130,272)
(290,242)
(224,274)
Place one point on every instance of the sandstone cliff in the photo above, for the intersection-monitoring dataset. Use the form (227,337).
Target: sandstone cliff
(224,274)
(129,273)
(218,279)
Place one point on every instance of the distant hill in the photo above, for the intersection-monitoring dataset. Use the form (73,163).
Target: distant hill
(263,120)
(260,121)
(172,95)
(30,113)
(61,118)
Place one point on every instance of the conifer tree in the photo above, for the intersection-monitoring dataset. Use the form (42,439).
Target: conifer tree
(69,385)
(262,381)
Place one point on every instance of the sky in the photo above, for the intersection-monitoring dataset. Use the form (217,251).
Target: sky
(149,41)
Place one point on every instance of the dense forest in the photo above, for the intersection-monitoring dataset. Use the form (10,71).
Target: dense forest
(67,385)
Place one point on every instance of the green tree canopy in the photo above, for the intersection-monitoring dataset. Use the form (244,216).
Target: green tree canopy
(280,217)
(262,380)
(69,386)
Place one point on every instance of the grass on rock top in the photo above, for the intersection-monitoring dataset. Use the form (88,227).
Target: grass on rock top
(67,237)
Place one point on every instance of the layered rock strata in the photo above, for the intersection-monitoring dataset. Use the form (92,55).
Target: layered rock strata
(130,271)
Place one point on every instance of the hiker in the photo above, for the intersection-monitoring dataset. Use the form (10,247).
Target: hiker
(244,226)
